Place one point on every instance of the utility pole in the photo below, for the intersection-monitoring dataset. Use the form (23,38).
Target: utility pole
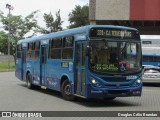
(9,7)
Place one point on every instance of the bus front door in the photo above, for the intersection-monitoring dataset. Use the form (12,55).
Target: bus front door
(23,70)
(80,83)
(43,61)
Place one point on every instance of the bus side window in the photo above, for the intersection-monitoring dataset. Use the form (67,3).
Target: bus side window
(37,49)
(84,49)
(24,55)
(19,51)
(67,50)
(43,55)
(29,51)
(55,48)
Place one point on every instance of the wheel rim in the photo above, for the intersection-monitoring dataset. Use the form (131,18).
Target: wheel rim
(28,82)
(67,90)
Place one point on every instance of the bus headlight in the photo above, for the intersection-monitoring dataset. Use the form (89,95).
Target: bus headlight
(137,82)
(94,82)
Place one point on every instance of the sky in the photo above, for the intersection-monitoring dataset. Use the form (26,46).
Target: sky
(25,7)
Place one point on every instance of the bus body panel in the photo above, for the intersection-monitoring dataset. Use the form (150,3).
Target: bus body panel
(18,69)
(117,88)
(151,59)
(55,72)
(36,72)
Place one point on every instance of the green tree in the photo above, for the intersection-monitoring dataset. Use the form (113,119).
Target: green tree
(79,16)
(3,42)
(52,25)
(19,27)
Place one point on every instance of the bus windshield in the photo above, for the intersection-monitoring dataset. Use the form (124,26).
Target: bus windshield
(115,57)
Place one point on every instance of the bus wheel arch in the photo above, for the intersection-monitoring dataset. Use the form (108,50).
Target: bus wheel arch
(66,89)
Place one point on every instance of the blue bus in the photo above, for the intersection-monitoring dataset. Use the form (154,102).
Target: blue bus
(151,59)
(94,61)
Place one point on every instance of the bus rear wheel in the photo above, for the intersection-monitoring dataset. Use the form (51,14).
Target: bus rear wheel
(66,91)
(29,81)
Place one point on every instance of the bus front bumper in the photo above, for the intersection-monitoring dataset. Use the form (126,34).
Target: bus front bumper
(95,92)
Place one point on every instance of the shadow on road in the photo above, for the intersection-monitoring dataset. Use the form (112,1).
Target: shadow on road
(118,102)
(106,103)
(151,84)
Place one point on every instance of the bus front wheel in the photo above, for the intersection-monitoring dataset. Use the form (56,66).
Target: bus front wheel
(29,81)
(66,91)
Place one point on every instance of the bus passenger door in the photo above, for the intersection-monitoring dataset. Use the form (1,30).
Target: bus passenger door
(80,82)
(43,61)
(23,70)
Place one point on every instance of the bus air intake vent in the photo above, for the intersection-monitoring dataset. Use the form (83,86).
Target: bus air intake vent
(113,79)
(118,92)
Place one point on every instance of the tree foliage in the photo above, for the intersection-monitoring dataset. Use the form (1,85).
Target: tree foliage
(52,25)
(3,42)
(19,27)
(79,16)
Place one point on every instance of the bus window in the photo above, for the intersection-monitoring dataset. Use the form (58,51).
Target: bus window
(68,42)
(56,43)
(19,51)
(84,48)
(67,51)
(55,48)
(43,55)
(145,58)
(156,58)
(24,55)
(150,58)
(29,51)
(36,50)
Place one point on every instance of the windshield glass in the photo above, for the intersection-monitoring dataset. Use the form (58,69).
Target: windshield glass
(115,57)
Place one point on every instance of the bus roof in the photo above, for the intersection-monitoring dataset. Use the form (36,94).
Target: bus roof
(73,31)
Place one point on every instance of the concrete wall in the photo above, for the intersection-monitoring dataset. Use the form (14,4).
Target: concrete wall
(145,9)
(124,10)
(109,9)
(4,58)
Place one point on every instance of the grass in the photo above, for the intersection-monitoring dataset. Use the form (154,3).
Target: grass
(4,66)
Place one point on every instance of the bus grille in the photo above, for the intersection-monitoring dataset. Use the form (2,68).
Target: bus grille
(118,91)
(115,86)
(113,79)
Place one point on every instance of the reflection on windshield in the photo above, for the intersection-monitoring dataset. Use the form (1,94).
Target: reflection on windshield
(106,56)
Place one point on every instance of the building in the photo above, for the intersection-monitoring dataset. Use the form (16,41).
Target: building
(141,14)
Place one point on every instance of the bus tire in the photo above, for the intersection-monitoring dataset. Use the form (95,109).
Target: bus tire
(29,81)
(66,91)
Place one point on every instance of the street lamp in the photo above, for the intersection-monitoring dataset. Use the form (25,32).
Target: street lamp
(9,7)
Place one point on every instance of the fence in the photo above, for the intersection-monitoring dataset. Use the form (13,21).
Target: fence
(4,58)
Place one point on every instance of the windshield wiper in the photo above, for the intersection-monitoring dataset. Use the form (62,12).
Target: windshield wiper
(105,41)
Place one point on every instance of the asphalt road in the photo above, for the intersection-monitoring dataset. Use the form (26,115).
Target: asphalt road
(15,96)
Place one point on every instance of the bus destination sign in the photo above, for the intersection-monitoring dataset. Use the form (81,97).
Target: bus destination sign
(112,33)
